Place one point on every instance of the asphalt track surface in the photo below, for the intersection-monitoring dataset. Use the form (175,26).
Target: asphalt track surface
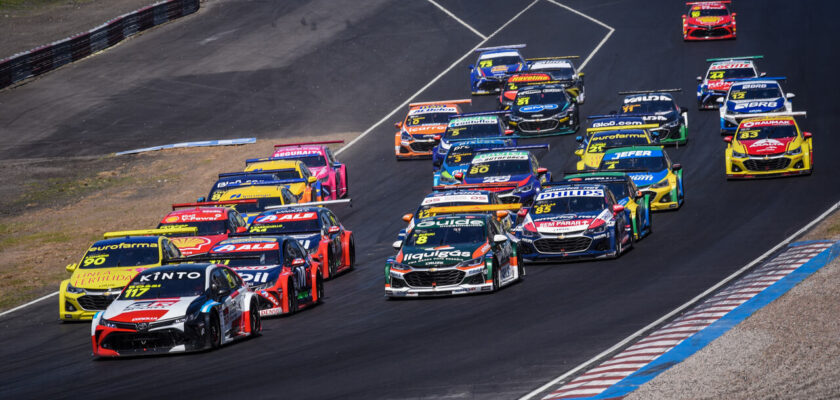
(275,68)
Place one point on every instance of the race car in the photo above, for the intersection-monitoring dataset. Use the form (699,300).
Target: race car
(176,308)
(319,232)
(574,221)
(460,155)
(747,97)
(715,85)
(651,170)
(416,136)
(636,204)
(295,175)
(213,224)
(461,250)
(563,70)
(708,20)
(229,180)
(278,269)
(769,146)
(658,107)
(108,265)
(514,82)
(455,197)
(598,140)
(512,172)
(321,163)
(493,66)
(466,127)
(544,109)
(250,199)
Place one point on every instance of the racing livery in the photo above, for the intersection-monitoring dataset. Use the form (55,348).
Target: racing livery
(517,81)
(461,250)
(108,265)
(769,146)
(416,136)
(658,107)
(250,199)
(651,170)
(294,174)
(466,127)
(321,163)
(563,70)
(493,66)
(636,204)
(747,98)
(715,84)
(708,20)
(574,221)
(319,232)
(544,109)
(176,308)
(460,155)
(598,140)
(456,197)
(213,224)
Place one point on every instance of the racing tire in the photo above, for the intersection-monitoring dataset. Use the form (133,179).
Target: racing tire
(619,246)
(497,280)
(346,185)
(291,298)
(520,268)
(331,264)
(352,253)
(214,332)
(319,289)
(254,319)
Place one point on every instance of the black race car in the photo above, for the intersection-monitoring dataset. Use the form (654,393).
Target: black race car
(543,110)
(658,107)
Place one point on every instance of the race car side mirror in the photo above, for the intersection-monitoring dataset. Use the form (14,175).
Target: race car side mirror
(734,14)
(676,167)
(639,194)
(499,238)
(470,67)
(311,179)
(70,267)
(508,132)
(617,208)
(578,139)
(334,229)
(398,125)
(580,74)
(699,79)
(241,229)
(762,74)
(727,139)
(522,212)
(396,245)
(459,175)
(297,262)
(407,217)
(790,96)
(437,138)
(684,16)
(806,135)
(501,214)
(719,100)
(200,199)
(542,170)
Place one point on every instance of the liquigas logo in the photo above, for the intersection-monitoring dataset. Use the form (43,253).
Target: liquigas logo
(436,254)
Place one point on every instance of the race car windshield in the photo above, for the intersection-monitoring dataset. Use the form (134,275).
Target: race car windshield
(312,160)
(472,131)
(550,96)
(430,118)
(204,228)
(640,163)
(772,92)
(421,214)
(255,258)
(509,60)
(459,157)
(619,189)
(499,168)
(767,132)
(165,285)
(301,226)
(709,12)
(599,143)
(568,205)
(440,236)
(560,73)
(121,255)
(733,73)
(229,181)
(259,206)
(648,107)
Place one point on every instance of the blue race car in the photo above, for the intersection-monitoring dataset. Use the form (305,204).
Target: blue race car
(636,204)
(466,127)
(493,66)
(573,221)
(651,170)
(460,155)
(752,98)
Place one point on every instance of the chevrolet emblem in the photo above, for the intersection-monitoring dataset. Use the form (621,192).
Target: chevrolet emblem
(562,236)
(143,326)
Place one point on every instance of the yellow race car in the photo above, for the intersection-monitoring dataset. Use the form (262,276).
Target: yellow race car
(292,173)
(252,199)
(108,265)
(769,146)
(598,140)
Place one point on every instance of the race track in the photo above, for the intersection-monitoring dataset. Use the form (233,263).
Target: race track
(270,68)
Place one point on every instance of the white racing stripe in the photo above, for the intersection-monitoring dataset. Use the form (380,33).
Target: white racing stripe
(28,304)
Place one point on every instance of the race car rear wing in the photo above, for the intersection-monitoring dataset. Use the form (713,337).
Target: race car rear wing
(265,183)
(207,258)
(764,78)
(263,159)
(212,203)
(734,58)
(512,46)
(150,232)
(701,3)
(313,204)
(265,171)
(308,143)
(650,91)
(771,114)
(478,114)
(622,128)
(525,147)
(552,58)
(432,103)
(467,186)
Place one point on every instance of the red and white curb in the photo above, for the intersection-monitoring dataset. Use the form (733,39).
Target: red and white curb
(633,358)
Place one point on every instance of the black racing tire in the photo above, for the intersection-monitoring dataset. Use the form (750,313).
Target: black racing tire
(291,298)
(346,185)
(352,251)
(332,264)
(214,331)
(497,279)
(319,289)
(520,266)
(619,246)
(255,319)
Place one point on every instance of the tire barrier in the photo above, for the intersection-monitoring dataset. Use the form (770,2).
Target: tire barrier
(51,56)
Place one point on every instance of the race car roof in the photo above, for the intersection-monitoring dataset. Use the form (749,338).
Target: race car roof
(548,64)
(253,192)
(127,239)
(499,53)
(274,164)
(440,108)
(220,213)
(298,151)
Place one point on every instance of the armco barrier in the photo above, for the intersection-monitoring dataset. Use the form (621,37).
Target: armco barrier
(49,57)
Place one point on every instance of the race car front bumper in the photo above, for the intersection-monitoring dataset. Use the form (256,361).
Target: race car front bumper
(664,198)
(707,99)
(767,167)
(488,85)
(567,247)
(133,339)
(720,32)
(413,149)
(83,306)
(545,126)
(445,281)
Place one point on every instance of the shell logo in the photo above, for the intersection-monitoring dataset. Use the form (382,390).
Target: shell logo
(173,218)
(190,243)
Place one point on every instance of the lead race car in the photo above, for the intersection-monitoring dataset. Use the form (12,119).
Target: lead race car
(176,308)
(493,66)
(708,20)
(769,146)
(747,98)
(416,136)
(321,163)
(715,84)
(658,107)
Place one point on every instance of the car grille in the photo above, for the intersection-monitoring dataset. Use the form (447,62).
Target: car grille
(422,146)
(510,199)
(436,278)
(130,342)
(537,126)
(95,302)
(767,165)
(568,245)
(710,32)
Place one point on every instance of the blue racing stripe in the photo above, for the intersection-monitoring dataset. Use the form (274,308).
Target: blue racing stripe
(208,305)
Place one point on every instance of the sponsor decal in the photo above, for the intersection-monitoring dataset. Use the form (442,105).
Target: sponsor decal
(646,98)
(643,177)
(447,223)
(436,254)
(480,120)
(151,305)
(767,122)
(432,109)
(108,277)
(496,179)
(551,64)
(297,152)
(529,78)
(556,194)
(631,154)
(563,226)
(753,86)
(460,198)
(234,248)
(609,123)
(757,104)
(168,276)
(123,246)
(538,108)
(190,242)
(766,146)
(500,156)
(299,216)
(615,136)
(173,218)
(728,65)
(499,68)
(419,129)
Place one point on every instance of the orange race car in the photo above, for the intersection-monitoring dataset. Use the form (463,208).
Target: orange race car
(416,136)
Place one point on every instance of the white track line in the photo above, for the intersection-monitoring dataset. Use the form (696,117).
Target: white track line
(604,40)
(435,79)
(449,13)
(28,304)
(681,308)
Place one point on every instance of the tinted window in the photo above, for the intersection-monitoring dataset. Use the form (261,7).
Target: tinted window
(164,284)
(121,255)
(204,228)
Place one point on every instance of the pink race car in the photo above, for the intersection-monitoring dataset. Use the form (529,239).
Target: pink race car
(321,163)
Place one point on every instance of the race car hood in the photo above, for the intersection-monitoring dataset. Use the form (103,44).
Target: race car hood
(420,256)
(191,245)
(151,310)
(426,130)
(259,274)
(513,180)
(710,20)
(105,278)
(763,147)
(755,106)
(309,241)
(565,223)
(645,179)
(499,71)
(540,110)
(719,85)
(322,172)
(661,117)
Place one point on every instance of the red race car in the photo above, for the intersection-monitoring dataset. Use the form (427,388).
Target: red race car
(416,136)
(321,163)
(708,20)
(214,224)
